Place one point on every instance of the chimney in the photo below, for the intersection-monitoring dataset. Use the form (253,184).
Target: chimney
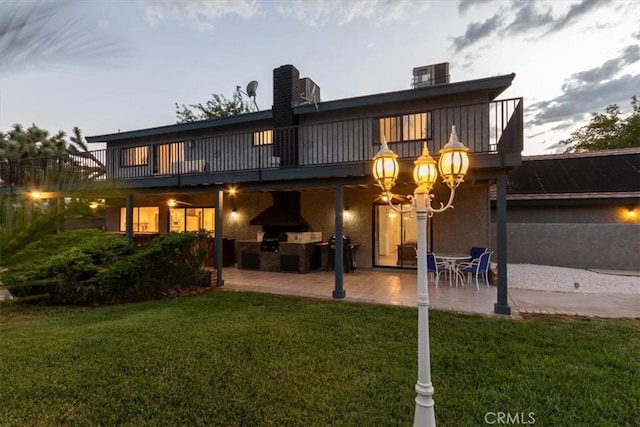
(286,94)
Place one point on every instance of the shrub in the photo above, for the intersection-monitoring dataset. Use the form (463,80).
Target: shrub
(63,265)
(91,266)
(173,261)
(103,247)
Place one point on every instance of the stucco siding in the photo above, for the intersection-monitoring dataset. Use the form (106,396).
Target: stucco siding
(467,224)
(575,245)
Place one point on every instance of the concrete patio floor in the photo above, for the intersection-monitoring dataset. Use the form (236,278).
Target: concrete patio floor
(398,287)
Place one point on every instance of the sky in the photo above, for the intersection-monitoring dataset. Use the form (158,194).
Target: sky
(123,65)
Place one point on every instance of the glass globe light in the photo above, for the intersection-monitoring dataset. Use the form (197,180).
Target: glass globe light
(454,161)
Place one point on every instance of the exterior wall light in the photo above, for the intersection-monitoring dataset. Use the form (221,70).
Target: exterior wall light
(631,213)
(172,203)
(36,195)
(234,214)
(453,165)
(345,213)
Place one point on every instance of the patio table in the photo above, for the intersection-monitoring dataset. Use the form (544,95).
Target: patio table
(450,261)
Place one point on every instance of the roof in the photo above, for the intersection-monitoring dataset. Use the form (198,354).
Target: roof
(608,171)
(494,85)
(183,127)
(578,177)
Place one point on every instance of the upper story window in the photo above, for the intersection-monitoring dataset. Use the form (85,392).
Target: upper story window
(408,127)
(264,137)
(134,156)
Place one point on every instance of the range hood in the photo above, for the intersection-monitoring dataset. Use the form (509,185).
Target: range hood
(284,213)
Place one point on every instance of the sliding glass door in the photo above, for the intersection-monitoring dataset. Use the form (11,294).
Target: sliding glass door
(395,237)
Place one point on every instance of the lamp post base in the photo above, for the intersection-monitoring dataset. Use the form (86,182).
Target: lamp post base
(425,415)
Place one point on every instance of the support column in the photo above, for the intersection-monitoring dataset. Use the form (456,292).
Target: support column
(502,305)
(217,240)
(129,219)
(338,265)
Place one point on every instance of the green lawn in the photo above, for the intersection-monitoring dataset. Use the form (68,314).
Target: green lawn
(243,359)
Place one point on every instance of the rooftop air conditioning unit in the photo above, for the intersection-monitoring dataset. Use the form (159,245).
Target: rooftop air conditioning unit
(430,75)
(309,91)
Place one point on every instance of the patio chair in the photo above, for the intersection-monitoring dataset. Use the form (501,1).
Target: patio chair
(476,251)
(433,267)
(479,267)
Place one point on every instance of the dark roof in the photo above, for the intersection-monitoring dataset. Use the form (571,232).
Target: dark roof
(493,85)
(182,127)
(609,171)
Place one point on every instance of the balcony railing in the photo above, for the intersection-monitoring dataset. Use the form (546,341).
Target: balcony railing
(485,128)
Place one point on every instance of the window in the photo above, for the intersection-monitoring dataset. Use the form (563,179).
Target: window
(135,156)
(264,137)
(145,219)
(167,157)
(409,127)
(191,219)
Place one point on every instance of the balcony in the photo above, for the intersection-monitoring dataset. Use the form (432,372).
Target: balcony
(493,131)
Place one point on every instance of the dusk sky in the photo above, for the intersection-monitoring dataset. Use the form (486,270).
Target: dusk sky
(128,62)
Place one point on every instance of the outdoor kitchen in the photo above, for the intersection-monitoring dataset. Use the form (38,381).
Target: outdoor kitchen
(299,253)
(285,242)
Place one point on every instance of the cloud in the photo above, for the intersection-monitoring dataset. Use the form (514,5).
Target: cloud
(611,67)
(574,104)
(575,11)
(465,5)
(477,31)
(317,13)
(526,18)
(200,14)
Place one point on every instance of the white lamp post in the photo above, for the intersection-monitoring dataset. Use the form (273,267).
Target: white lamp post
(453,165)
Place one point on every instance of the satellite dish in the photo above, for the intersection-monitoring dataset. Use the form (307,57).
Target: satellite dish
(250,93)
(251,88)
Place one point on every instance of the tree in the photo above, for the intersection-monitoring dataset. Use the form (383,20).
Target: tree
(215,108)
(607,130)
(20,143)
(33,147)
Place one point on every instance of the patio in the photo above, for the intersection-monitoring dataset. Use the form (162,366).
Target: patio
(364,285)
(398,287)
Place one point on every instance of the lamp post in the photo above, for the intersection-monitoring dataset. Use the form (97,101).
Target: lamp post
(453,165)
